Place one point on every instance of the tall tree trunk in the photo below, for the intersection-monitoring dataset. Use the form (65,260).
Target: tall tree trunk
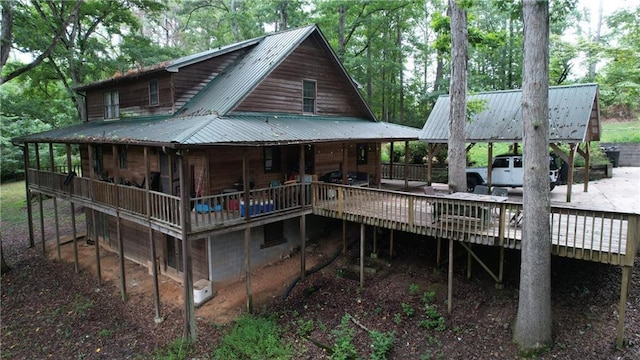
(401,62)
(234,20)
(458,97)
(6,35)
(342,19)
(533,323)
(595,40)
(439,66)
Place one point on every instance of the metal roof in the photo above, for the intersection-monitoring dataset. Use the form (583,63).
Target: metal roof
(243,129)
(173,65)
(573,110)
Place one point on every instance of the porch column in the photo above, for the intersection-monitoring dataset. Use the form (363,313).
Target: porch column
(40,207)
(303,224)
(25,159)
(55,202)
(406,165)
(185,226)
(116,191)
(73,208)
(344,167)
(489,164)
(572,153)
(93,217)
(247,229)
(154,264)
(429,163)
(391,160)
(585,154)
(379,165)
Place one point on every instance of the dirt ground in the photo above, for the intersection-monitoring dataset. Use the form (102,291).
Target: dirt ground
(49,311)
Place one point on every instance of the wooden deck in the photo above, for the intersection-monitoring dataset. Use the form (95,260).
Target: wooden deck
(600,236)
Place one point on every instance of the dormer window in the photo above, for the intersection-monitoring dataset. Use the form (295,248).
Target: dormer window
(153,92)
(111,105)
(309,96)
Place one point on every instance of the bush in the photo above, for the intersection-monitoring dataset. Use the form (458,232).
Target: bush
(253,338)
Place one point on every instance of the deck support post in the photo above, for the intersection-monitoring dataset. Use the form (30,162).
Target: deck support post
(344,237)
(94,225)
(154,264)
(247,230)
(450,278)
(76,263)
(585,155)
(438,252)
(391,244)
(375,240)
(362,228)
(469,262)
(499,283)
(303,224)
(55,202)
(40,206)
(116,175)
(25,159)
(624,290)
(185,225)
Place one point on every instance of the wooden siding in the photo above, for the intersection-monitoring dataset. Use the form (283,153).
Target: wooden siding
(134,98)
(281,91)
(191,79)
(135,170)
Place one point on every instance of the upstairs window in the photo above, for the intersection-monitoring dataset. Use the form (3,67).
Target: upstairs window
(309,96)
(111,105)
(153,92)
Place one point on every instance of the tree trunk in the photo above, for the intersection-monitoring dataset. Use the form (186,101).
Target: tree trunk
(342,19)
(533,323)
(458,97)
(4,267)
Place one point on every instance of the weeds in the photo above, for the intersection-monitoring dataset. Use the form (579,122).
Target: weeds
(253,338)
(408,310)
(381,343)
(175,350)
(343,347)
(413,289)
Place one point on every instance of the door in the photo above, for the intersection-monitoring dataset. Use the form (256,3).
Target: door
(517,171)
(173,248)
(501,172)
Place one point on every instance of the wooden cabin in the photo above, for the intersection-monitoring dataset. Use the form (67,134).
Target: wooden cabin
(200,168)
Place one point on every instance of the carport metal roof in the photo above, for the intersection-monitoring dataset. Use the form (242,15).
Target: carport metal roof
(574,116)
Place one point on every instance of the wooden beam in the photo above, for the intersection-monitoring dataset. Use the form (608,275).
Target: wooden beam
(40,206)
(585,155)
(55,202)
(116,175)
(76,263)
(25,159)
(154,263)
(344,168)
(94,225)
(303,230)
(406,165)
(391,244)
(622,307)
(489,165)
(450,278)
(344,237)
(379,165)
(375,240)
(362,255)
(572,152)
(429,164)
(247,230)
(391,160)
(185,226)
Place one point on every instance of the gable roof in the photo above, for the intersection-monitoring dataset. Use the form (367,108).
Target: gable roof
(238,129)
(574,116)
(206,118)
(235,83)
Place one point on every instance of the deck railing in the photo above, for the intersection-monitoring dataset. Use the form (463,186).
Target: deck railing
(216,210)
(602,236)
(416,172)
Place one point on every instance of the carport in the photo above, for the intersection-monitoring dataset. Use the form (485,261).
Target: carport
(574,119)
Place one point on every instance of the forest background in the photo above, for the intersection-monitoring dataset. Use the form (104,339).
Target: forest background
(397,51)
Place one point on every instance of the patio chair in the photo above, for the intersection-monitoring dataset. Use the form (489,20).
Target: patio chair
(500,191)
(481,189)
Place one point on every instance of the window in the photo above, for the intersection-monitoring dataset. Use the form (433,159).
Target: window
(273,234)
(111,105)
(308,96)
(517,162)
(501,163)
(153,92)
(271,159)
(361,157)
(122,156)
(98,160)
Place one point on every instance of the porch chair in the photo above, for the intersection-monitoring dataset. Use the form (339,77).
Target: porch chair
(481,189)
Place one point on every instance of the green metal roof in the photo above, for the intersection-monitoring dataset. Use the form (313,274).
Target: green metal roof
(241,129)
(573,109)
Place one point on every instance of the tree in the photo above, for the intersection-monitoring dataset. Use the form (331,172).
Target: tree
(533,323)
(458,98)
